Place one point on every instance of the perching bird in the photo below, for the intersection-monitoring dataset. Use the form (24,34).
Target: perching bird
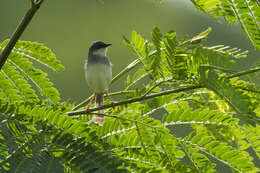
(98,73)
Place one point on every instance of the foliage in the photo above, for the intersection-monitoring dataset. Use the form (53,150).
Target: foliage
(221,115)
(19,72)
(246,12)
(189,112)
(36,134)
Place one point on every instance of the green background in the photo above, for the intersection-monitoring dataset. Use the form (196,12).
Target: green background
(68,28)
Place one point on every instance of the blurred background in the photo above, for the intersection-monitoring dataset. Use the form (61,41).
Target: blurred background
(68,28)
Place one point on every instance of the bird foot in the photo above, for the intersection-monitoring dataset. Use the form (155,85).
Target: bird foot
(90,102)
(87,110)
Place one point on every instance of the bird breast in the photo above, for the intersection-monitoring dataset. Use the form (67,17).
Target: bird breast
(98,76)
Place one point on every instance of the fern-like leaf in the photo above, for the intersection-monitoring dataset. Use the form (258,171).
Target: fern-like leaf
(39,53)
(137,44)
(86,157)
(19,69)
(246,12)
(180,115)
(223,152)
(17,83)
(234,97)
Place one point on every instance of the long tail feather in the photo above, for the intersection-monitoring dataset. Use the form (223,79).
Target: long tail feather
(99,102)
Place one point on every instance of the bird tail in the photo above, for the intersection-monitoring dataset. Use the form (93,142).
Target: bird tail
(99,102)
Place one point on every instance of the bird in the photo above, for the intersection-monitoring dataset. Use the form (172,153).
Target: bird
(98,74)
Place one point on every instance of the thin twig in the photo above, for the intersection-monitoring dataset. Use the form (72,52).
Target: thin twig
(82,103)
(19,31)
(108,95)
(157,83)
(137,80)
(141,139)
(241,73)
(184,148)
(122,118)
(164,149)
(249,89)
(126,69)
(141,98)
(217,68)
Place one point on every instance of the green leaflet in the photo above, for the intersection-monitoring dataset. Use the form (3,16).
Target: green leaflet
(201,36)
(88,159)
(239,101)
(40,161)
(37,52)
(137,44)
(141,136)
(170,58)
(226,50)
(218,57)
(43,151)
(27,144)
(221,151)
(144,144)
(247,13)
(14,81)
(154,63)
(18,70)
(247,137)
(212,110)
(178,116)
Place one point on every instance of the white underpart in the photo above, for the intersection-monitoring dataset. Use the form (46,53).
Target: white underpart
(99,75)
(102,51)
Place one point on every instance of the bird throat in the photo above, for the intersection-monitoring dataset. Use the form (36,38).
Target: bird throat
(101,52)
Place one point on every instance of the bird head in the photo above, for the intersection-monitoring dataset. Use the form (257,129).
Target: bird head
(99,48)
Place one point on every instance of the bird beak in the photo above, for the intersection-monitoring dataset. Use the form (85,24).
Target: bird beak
(108,44)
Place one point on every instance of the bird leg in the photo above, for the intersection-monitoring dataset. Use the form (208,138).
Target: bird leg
(91,100)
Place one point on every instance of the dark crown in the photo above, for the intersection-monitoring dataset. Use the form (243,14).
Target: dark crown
(98,45)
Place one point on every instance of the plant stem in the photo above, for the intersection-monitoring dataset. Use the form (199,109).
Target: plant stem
(109,95)
(241,73)
(19,30)
(128,68)
(141,98)
(122,118)
(82,103)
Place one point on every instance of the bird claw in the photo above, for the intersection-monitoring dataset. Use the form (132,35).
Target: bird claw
(87,110)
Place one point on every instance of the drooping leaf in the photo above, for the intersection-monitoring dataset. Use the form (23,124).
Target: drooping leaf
(245,12)
(19,69)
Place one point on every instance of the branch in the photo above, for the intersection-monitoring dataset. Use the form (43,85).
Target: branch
(35,5)
(128,68)
(141,98)
(107,95)
(205,66)
(122,118)
(249,89)
(244,72)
